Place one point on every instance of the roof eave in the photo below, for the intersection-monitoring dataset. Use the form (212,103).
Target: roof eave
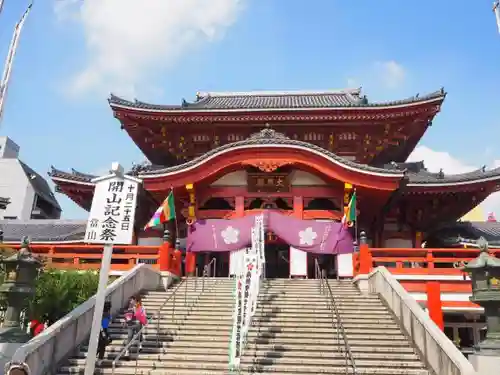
(451,182)
(369,107)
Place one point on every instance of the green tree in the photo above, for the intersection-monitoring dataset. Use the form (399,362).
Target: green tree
(59,292)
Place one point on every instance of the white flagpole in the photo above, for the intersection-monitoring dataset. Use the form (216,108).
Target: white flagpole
(10,58)
(496,10)
(1,6)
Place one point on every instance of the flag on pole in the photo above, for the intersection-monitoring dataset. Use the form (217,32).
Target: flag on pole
(4,84)
(350,213)
(164,213)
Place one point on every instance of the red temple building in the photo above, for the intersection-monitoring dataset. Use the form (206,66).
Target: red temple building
(227,155)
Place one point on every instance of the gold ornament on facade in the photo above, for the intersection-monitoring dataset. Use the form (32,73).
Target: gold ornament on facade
(268,165)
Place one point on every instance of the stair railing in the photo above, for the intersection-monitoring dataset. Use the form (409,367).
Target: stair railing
(325,288)
(143,328)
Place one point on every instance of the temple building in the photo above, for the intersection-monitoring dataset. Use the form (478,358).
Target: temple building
(298,156)
(301,153)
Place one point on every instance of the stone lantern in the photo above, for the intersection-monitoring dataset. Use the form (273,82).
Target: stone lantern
(21,271)
(484,272)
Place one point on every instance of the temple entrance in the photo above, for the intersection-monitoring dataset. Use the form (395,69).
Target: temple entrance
(277,260)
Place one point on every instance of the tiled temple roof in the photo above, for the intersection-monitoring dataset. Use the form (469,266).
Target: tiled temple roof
(468,233)
(42,230)
(254,100)
(416,172)
(419,175)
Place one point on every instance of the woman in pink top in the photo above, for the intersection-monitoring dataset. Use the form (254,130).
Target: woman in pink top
(135,319)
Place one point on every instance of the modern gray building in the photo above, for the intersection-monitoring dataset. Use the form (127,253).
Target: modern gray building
(29,194)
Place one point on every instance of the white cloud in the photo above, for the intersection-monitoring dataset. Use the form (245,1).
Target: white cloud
(380,76)
(436,160)
(391,73)
(128,40)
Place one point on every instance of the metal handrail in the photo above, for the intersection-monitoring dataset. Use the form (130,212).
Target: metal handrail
(335,312)
(141,331)
(211,267)
(205,274)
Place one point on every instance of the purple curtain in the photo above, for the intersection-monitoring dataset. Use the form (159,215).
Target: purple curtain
(310,235)
(220,234)
(307,235)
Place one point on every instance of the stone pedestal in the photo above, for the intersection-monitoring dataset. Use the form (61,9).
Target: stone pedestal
(167,279)
(361,281)
(485,364)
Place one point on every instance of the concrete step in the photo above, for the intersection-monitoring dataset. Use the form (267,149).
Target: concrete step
(282,327)
(306,314)
(357,346)
(221,355)
(185,360)
(221,369)
(275,319)
(258,338)
(324,331)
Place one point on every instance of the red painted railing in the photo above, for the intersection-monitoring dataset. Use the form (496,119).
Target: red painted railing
(88,257)
(415,261)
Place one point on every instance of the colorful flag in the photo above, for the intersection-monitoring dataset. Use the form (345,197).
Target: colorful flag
(350,213)
(164,213)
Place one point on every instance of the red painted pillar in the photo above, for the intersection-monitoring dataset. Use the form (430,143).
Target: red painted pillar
(365,259)
(239,206)
(434,303)
(165,251)
(190,263)
(177,263)
(298,207)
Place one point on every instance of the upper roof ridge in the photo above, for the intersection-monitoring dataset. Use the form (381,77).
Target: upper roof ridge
(352,91)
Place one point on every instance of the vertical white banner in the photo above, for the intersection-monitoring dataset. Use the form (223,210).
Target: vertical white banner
(344,265)
(236,335)
(298,262)
(236,262)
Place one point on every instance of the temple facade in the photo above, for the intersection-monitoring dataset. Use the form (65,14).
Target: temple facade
(301,155)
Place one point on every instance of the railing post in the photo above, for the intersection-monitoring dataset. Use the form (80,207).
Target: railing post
(434,303)
(365,259)
(429,259)
(164,251)
(190,263)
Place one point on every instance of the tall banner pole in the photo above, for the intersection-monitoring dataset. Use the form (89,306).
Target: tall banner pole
(98,309)
(110,223)
(4,84)
(496,10)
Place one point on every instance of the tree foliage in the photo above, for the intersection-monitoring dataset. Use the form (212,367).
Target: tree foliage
(59,292)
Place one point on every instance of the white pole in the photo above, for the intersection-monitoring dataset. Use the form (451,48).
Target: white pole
(4,84)
(99,307)
(1,6)
(496,10)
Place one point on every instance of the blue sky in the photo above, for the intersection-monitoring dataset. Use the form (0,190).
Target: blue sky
(71,57)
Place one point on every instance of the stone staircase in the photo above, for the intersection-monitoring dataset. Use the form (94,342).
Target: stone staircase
(292,334)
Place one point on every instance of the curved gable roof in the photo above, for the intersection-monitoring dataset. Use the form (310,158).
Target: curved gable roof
(275,100)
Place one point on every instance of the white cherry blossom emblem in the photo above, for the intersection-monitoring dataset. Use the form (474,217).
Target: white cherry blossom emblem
(307,236)
(230,235)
